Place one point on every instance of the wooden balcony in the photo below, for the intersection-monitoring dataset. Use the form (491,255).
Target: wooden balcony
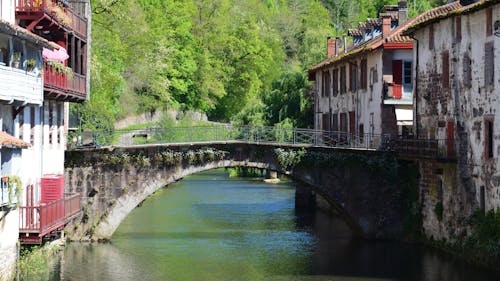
(37,222)
(61,86)
(53,11)
(20,85)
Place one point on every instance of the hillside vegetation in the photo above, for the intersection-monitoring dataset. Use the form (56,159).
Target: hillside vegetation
(242,61)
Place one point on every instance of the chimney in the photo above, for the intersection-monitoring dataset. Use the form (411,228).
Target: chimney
(386,24)
(402,12)
(344,39)
(331,47)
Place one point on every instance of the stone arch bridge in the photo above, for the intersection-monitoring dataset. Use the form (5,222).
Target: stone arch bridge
(371,189)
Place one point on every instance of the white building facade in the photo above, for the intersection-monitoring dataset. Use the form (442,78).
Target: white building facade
(21,101)
(366,90)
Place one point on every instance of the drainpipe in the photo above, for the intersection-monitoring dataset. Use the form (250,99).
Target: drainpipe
(415,92)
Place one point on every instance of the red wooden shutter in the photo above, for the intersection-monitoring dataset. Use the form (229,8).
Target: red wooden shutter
(352,122)
(397,79)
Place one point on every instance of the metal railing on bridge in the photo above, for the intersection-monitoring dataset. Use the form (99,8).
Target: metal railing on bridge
(272,135)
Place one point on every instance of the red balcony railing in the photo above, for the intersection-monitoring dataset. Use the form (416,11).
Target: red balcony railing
(41,219)
(44,218)
(68,83)
(56,10)
(54,78)
(72,204)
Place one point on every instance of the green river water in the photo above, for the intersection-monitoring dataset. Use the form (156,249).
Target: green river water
(212,227)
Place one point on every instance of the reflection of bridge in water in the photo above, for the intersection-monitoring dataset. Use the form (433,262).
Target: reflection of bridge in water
(403,147)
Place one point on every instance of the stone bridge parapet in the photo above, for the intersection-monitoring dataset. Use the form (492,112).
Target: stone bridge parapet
(368,188)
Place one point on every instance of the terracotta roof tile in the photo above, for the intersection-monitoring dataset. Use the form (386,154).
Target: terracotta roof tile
(13,29)
(354,32)
(400,33)
(374,22)
(8,140)
(446,11)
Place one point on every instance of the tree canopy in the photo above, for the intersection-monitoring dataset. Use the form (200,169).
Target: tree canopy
(236,60)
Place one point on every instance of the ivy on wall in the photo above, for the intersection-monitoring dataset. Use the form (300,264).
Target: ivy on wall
(163,158)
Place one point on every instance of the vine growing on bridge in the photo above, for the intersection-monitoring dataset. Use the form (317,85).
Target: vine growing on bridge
(290,157)
(164,158)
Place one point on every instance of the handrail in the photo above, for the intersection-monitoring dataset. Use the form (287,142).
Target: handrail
(276,135)
(42,218)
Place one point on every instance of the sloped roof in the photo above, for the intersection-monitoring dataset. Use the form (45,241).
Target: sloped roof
(10,141)
(393,37)
(445,11)
(374,22)
(22,33)
(354,32)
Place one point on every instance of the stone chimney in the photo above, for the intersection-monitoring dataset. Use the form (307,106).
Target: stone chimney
(386,24)
(331,47)
(402,12)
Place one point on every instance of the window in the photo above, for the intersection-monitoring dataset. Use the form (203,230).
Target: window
(325,122)
(431,37)
(343,122)
(361,133)
(445,75)
(458,29)
(364,75)
(60,116)
(335,82)
(335,126)
(323,83)
(352,122)
(488,138)
(352,77)
(467,77)
(489,21)
(21,124)
(32,124)
(343,81)
(328,85)
(51,120)
(407,78)
(397,79)
(489,64)
(482,201)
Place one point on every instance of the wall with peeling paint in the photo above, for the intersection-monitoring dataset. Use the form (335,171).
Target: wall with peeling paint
(460,110)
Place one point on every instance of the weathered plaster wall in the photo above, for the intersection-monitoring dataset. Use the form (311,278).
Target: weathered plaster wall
(467,107)
(370,201)
(369,100)
(9,233)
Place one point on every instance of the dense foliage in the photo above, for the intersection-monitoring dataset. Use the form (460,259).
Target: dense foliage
(241,61)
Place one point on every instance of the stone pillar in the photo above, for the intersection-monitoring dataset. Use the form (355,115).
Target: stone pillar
(271,174)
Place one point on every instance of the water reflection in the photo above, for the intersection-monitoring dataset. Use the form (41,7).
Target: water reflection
(210,227)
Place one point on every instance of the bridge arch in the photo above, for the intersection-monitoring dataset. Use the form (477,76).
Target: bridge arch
(113,181)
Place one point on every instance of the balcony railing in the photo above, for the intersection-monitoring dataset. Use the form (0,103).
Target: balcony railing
(8,195)
(56,79)
(57,10)
(20,85)
(44,218)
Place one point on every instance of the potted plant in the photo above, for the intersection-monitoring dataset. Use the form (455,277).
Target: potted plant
(30,64)
(15,58)
(61,68)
